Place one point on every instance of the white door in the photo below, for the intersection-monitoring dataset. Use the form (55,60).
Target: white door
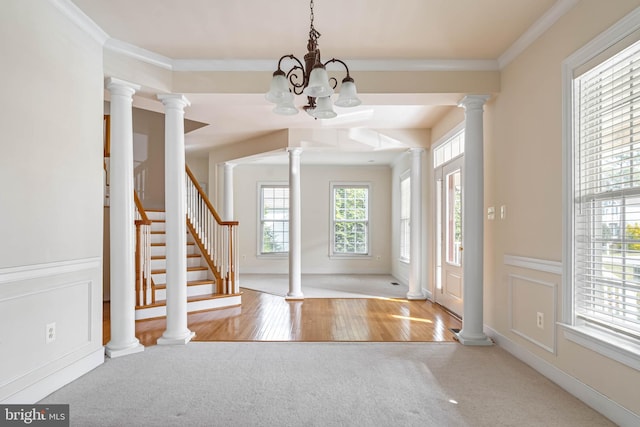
(448,290)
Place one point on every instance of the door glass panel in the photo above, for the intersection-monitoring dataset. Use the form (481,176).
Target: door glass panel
(454,217)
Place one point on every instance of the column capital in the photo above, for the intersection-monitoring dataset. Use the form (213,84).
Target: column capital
(174,100)
(294,151)
(473,102)
(229,165)
(416,151)
(120,87)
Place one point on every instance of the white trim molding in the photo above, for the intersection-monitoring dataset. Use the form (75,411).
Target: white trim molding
(537,264)
(79,18)
(593,398)
(15,274)
(535,31)
(551,324)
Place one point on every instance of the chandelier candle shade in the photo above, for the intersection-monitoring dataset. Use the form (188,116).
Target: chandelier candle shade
(312,80)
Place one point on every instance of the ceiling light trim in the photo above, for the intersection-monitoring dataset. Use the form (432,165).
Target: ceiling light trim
(538,28)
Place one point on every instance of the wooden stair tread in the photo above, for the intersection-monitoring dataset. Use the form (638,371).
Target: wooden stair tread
(188,269)
(160,303)
(164,257)
(164,244)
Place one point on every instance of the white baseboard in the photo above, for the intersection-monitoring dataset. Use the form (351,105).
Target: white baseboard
(38,391)
(596,400)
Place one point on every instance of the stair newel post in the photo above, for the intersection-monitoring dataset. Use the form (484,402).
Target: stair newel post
(139,300)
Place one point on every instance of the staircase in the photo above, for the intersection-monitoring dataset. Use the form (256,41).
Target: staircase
(201,282)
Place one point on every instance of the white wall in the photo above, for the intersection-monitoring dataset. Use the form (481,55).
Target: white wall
(315,202)
(51,200)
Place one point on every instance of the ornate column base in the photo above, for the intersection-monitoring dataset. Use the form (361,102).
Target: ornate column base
(136,347)
(176,340)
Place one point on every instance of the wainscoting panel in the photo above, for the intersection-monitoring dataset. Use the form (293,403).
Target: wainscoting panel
(532,310)
(51,319)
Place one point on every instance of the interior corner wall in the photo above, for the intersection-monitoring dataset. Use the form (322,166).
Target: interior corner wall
(315,182)
(524,172)
(51,168)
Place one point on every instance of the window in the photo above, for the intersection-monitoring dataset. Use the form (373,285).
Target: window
(449,150)
(603,285)
(274,219)
(405,218)
(350,218)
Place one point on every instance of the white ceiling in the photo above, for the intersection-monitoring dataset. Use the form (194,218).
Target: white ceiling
(259,30)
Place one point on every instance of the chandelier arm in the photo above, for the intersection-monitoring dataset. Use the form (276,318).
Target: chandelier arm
(294,77)
(341,62)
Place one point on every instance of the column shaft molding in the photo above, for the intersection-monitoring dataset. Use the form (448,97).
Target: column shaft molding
(415,249)
(295,256)
(473,222)
(122,228)
(176,331)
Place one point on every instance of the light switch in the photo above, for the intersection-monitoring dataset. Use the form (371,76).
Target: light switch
(503,211)
(491,213)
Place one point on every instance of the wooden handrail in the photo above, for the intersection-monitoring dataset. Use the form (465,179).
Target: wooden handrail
(143,214)
(205,198)
(107,135)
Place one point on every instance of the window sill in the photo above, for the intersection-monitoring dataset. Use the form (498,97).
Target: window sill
(274,256)
(349,256)
(404,261)
(617,347)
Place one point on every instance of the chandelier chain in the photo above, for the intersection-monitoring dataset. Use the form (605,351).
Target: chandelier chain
(313,33)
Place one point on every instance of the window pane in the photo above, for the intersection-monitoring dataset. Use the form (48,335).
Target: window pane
(274,219)
(350,216)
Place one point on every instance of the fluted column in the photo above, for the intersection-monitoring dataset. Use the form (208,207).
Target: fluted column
(177,331)
(122,227)
(415,249)
(295,272)
(473,222)
(228,191)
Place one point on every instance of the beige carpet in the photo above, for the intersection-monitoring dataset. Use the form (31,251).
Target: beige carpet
(320,384)
(328,285)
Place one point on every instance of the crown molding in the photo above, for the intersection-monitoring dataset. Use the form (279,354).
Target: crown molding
(536,30)
(132,51)
(77,16)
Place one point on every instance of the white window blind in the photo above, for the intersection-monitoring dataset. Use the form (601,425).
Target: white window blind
(405,218)
(606,238)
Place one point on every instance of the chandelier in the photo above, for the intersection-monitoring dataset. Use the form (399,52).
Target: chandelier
(312,80)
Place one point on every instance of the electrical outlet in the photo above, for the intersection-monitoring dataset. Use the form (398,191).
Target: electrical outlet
(50,333)
(540,320)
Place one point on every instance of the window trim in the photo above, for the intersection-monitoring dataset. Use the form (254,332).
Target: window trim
(615,346)
(333,185)
(259,234)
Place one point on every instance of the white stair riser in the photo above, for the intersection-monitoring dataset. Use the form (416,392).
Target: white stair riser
(157,226)
(192,291)
(154,215)
(158,238)
(161,278)
(161,264)
(162,250)
(148,313)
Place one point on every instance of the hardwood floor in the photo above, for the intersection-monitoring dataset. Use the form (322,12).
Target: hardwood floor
(266,317)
